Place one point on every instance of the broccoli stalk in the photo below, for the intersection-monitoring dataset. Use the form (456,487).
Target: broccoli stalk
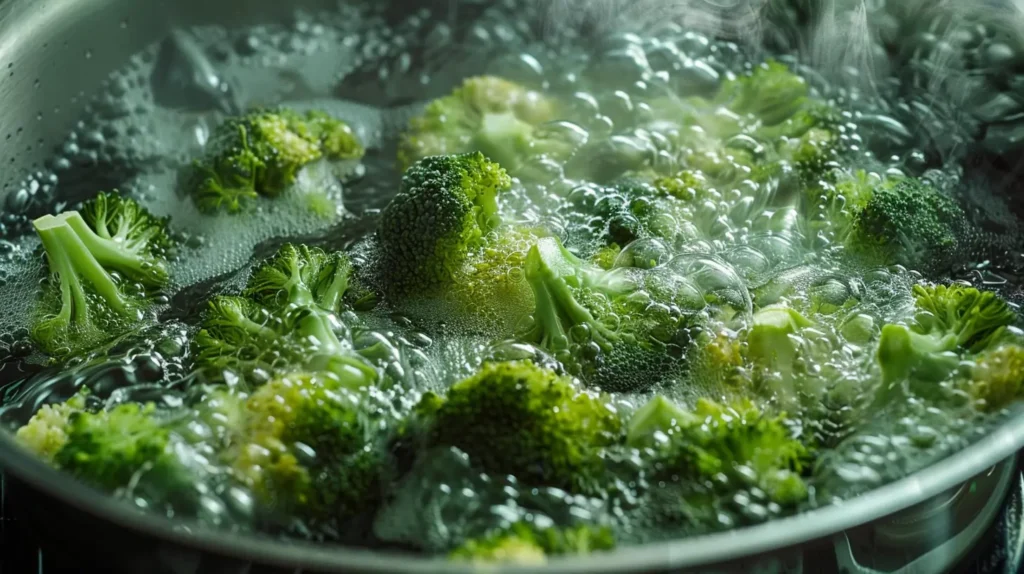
(262,152)
(86,302)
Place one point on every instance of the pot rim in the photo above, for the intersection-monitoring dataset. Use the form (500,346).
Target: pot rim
(999,445)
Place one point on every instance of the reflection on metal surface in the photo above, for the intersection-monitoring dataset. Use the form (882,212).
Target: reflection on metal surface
(933,536)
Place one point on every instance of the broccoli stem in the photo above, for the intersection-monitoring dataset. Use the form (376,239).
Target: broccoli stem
(332,296)
(330,354)
(557,309)
(903,353)
(111,253)
(73,262)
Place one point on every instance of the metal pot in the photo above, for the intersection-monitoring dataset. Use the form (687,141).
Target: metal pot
(56,54)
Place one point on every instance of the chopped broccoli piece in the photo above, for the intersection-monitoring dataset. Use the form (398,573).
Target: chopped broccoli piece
(520,419)
(911,223)
(284,323)
(446,206)
(997,378)
(735,441)
(769,339)
(951,320)
(47,431)
(302,448)
(526,543)
(600,324)
(103,260)
(485,114)
(771,93)
(260,153)
(299,275)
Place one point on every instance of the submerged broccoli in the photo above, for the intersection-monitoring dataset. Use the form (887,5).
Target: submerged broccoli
(997,377)
(304,451)
(950,320)
(129,450)
(526,543)
(908,222)
(518,418)
(285,322)
(104,261)
(719,449)
(601,324)
(445,207)
(262,152)
(485,114)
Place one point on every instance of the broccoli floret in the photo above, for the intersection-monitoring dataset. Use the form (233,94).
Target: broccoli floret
(910,223)
(47,431)
(445,208)
(730,446)
(771,93)
(302,276)
(526,543)
(487,114)
(261,152)
(303,450)
(600,324)
(285,322)
(997,377)
(104,261)
(518,418)
(770,343)
(950,320)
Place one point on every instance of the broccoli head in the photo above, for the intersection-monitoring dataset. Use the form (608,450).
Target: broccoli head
(518,418)
(528,544)
(491,115)
(729,446)
(104,262)
(605,326)
(908,222)
(950,320)
(260,153)
(771,93)
(303,450)
(444,209)
(300,276)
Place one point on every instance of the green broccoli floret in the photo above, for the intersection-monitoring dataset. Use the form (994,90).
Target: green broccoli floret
(518,418)
(285,322)
(771,93)
(730,446)
(526,543)
(302,276)
(260,153)
(910,223)
(444,209)
(487,114)
(600,324)
(950,320)
(103,260)
(47,431)
(303,450)
(997,377)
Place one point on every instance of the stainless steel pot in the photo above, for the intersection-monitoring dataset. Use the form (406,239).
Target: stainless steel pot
(55,54)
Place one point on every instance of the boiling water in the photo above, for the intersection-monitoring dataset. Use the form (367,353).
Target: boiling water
(154,115)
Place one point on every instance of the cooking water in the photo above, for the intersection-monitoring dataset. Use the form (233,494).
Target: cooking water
(157,112)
